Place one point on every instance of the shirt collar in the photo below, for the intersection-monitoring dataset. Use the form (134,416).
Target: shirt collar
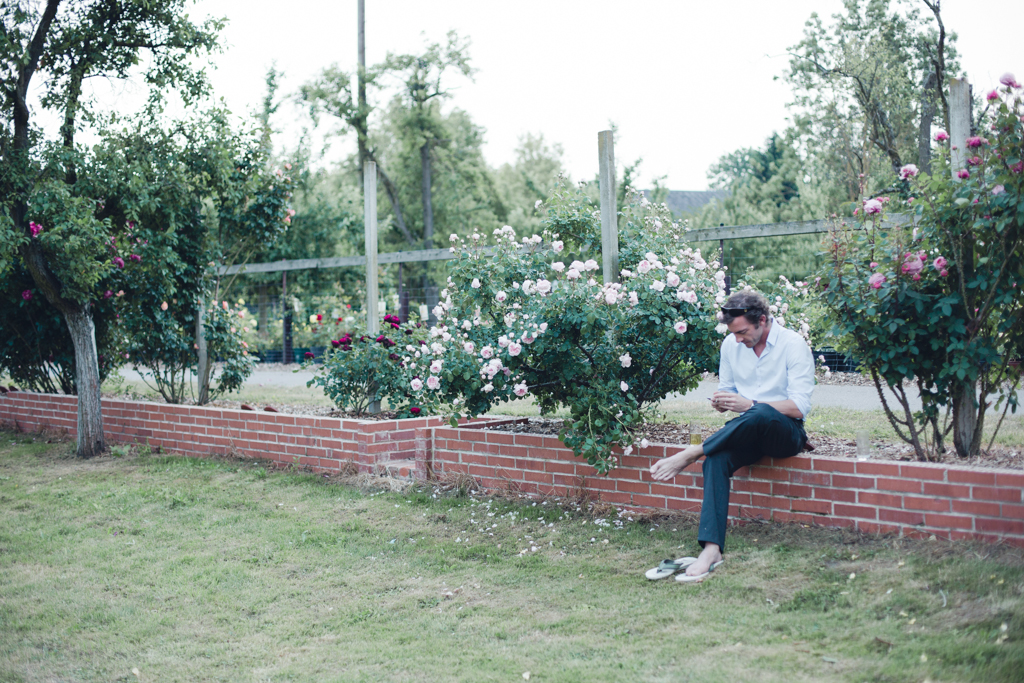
(773,334)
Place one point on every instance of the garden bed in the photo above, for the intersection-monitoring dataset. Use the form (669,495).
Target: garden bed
(670,433)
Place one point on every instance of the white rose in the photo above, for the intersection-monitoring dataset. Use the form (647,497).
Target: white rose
(543,286)
(514,349)
(633,299)
(644,267)
(680,327)
(416,384)
(500,297)
(572,274)
(623,386)
(557,246)
(475,284)
(558,266)
(591,264)
(610,297)
(626,360)
(672,279)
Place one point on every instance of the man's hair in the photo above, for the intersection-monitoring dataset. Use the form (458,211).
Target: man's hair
(755,304)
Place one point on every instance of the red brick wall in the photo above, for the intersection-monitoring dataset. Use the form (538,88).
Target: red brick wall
(910,499)
(321,443)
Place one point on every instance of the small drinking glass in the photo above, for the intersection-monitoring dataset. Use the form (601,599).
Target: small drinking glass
(863,444)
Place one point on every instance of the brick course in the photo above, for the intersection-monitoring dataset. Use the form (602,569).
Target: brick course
(915,500)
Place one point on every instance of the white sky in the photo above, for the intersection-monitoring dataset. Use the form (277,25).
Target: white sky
(685,81)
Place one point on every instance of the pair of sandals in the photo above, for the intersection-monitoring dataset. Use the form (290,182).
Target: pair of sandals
(669,567)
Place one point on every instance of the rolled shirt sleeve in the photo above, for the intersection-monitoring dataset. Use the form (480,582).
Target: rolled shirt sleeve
(726,381)
(800,376)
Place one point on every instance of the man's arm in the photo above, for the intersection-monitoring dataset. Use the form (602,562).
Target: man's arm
(800,378)
(723,401)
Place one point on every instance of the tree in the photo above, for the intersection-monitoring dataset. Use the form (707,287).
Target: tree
(864,92)
(67,42)
(529,180)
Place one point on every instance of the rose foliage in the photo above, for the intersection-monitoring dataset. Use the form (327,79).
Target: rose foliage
(940,303)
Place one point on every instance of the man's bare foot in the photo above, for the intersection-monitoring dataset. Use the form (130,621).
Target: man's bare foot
(666,468)
(711,554)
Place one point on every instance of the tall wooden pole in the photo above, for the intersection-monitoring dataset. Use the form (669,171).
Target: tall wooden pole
(609,210)
(370,223)
(965,409)
(959,122)
(361,80)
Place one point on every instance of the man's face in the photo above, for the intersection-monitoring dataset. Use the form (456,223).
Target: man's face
(746,332)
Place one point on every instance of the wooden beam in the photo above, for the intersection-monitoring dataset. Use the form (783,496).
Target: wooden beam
(736,232)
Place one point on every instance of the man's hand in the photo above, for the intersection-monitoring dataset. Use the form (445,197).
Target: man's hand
(724,401)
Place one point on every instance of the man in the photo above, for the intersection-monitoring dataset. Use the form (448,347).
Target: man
(766,374)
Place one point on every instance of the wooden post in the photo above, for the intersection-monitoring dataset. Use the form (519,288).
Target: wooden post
(965,409)
(286,322)
(959,121)
(609,210)
(370,225)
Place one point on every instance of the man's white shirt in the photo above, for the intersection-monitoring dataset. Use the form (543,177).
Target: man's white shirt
(784,371)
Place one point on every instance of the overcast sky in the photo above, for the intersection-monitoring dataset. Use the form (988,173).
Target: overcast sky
(684,81)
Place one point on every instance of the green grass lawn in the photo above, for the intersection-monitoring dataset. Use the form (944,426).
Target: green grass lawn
(185,569)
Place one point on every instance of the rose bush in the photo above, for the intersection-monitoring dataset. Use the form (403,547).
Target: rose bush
(531,316)
(941,303)
(361,369)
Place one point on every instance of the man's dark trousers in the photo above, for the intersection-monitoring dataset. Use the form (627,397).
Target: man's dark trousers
(759,432)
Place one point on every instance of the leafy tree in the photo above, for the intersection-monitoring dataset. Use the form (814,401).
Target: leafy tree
(67,42)
(530,179)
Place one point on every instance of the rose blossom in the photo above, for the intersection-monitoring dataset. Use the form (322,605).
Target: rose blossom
(433,382)
(992,95)
(558,266)
(908,171)
(941,136)
(975,142)
(163,306)
(939,263)
(998,190)
(486,352)
(658,286)
(680,327)
(572,274)
(943,273)
(543,286)
(610,297)
(469,347)
(623,386)
(502,341)
(722,328)
(487,388)
(27,295)
(644,267)
(500,297)
(626,360)
(416,384)
(644,443)
(435,366)
(963,174)
(557,246)
(876,280)
(34,228)
(514,348)
(872,206)
(633,300)
(1009,81)
(912,264)
(119,262)
(672,279)
(591,264)
(475,284)
(874,264)
(520,389)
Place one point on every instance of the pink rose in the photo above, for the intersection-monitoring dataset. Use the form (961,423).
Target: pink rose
(876,280)
(27,295)
(433,382)
(939,263)
(416,384)
(943,273)
(963,174)
(975,142)
(680,327)
(1009,81)
(34,228)
(107,294)
(520,389)
(163,306)
(908,171)
(912,265)
(941,136)
(872,206)
(998,190)
(992,95)
(119,262)
(874,264)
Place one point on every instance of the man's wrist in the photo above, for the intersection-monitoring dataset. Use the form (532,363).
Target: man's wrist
(753,402)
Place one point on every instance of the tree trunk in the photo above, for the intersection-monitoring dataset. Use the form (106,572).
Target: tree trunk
(924,133)
(87,380)
(203,363)
(966,440)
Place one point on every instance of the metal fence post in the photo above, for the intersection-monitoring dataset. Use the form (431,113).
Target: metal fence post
(609,209)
